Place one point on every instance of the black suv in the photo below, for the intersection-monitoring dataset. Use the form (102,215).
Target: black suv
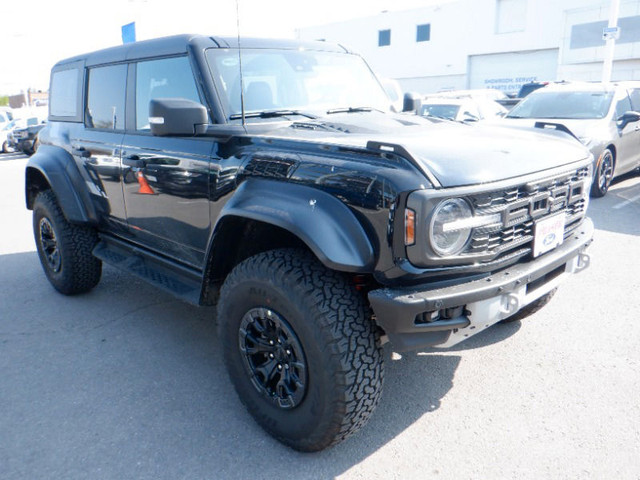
(274,181)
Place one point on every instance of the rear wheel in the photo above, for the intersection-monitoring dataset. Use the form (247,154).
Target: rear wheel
(300,348)
(64,248)
(603,174)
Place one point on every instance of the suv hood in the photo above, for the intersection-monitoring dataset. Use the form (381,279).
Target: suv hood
(455,154)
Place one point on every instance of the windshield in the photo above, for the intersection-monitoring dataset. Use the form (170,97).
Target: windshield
(440,110)
(570,105)
(294,80)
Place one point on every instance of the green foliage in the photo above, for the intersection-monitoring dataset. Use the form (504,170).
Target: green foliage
(4,101)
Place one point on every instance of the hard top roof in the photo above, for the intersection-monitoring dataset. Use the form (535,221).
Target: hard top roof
(179,44)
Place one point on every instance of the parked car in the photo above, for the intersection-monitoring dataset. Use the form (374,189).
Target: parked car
(604,117)
(5,131)
(511,101)
(6,116)
(25,139)
(321,223)
(462,109)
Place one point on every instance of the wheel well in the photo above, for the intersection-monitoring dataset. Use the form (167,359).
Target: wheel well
(235,240)
(35,183)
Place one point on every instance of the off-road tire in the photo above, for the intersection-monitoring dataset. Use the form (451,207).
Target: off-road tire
(64,248)
(532,308)
(329,324)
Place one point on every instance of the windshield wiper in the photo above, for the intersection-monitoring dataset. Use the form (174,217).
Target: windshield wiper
(352,110)
(271,114)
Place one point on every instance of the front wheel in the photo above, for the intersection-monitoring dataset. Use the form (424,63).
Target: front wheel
(603,174)
(300,347)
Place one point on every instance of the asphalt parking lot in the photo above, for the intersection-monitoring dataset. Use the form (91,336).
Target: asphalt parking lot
(126,382)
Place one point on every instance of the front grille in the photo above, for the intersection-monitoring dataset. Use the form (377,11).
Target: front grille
(521,206)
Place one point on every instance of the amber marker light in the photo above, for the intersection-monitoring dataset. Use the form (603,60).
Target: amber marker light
(409,226)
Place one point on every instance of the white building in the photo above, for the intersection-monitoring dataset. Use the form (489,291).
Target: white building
(460,44)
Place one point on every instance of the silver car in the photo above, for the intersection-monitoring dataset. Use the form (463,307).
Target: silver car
(604,117)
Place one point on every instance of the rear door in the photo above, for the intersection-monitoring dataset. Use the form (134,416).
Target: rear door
(166,179)
(96,147)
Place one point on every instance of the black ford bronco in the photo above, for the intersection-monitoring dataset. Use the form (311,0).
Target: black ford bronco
(274,182)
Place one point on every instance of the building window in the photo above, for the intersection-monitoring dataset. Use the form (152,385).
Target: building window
(384,38)
(423,33)
(585,35)
(511,16)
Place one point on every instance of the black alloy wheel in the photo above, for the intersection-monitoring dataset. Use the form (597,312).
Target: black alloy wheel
(49,245)
(273,357)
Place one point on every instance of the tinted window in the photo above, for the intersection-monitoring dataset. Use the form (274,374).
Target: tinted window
(623,105)
(440,110)
(64,93)
(105,97)
(384,38)
(166,78)
(423,33)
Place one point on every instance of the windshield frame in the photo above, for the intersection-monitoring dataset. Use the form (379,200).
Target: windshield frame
(232,115)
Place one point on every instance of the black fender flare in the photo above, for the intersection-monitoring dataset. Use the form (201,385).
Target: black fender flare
(320,220)
(58,169)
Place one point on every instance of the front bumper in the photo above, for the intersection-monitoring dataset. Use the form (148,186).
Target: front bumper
(478,304)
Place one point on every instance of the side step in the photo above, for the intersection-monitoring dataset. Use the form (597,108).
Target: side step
(183,282)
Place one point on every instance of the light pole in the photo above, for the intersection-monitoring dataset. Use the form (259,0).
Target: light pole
(610,35)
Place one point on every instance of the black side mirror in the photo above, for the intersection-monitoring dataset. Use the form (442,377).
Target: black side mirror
(411,102)
(177,116)
(627,118)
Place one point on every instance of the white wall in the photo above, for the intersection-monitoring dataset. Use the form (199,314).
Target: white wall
(466,29)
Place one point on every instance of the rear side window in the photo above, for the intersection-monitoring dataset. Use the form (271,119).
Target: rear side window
(106,97)
(65,94)
(164,78)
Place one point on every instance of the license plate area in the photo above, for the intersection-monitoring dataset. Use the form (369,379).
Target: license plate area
(548,234)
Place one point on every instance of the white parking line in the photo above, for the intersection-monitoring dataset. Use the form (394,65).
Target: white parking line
(627,202)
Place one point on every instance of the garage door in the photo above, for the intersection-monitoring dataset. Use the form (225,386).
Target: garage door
(508,71)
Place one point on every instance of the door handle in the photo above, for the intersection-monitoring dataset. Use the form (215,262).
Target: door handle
(134,161)
(81,152)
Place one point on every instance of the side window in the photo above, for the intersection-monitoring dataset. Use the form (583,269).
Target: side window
(165,78)
(635,99)
(623,105)
(105,97)
(64,93)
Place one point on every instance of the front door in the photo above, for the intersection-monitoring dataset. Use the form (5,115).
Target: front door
(166,179)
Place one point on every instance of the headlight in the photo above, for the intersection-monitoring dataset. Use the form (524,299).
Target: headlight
(450,226)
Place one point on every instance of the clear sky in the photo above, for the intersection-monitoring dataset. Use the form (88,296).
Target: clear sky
(37,33)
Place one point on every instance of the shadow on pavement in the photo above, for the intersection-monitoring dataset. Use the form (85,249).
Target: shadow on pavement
(619,210)
(127,382)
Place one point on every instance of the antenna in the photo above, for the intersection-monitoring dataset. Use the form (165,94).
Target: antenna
(240,63)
